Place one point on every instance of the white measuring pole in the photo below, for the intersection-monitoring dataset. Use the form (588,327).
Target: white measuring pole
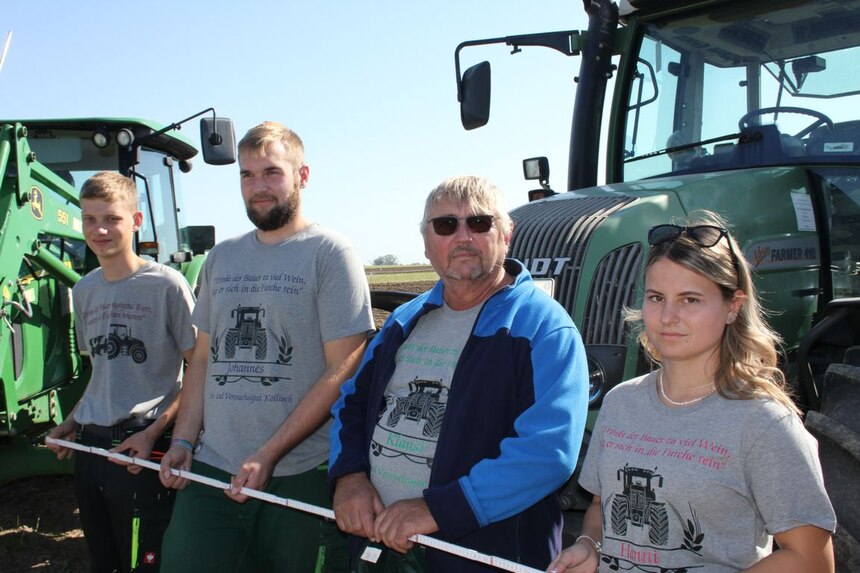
(426,541)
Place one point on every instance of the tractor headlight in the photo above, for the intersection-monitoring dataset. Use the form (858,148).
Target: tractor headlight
(596,380)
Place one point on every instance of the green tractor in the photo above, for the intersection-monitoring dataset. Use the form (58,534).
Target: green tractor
(43,164)
(750,108)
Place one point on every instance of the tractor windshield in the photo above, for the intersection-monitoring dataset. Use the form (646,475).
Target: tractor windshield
(72,155)
(706,86)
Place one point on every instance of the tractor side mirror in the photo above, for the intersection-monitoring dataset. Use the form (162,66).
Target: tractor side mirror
(218,140)
(475,96)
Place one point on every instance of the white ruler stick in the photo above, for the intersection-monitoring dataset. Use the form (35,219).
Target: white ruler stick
(432,542)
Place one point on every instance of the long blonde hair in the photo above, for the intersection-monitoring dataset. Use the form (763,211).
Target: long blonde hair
(747,366)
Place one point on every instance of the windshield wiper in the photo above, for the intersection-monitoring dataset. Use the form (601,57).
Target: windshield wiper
(741,137)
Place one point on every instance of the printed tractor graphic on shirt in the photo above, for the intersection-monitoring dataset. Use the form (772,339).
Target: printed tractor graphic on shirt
(637,506)
(248,332)
(119,341)
(422,403)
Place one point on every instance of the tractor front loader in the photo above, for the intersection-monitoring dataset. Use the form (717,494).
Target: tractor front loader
(43,164)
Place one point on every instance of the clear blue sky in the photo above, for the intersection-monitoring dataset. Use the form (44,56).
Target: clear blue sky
(369,86)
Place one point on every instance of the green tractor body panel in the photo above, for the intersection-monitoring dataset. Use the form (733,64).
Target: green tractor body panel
(601,236)
(749,108)
(746,108)
(43,164)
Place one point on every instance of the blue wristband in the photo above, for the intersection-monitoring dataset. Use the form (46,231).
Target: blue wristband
(182,444)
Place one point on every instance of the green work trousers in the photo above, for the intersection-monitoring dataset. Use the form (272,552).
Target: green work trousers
(209,532)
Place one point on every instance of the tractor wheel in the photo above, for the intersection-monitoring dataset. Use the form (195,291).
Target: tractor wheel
(659,520)
(433,423)
(231,340)
(138,353)
(262,344)
(837,429)
(394,416)
(619,515)
(112,347)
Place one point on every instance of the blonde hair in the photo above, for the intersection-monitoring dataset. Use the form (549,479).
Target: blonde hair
(111,187)
(261,136)
(479,194)
(747,367)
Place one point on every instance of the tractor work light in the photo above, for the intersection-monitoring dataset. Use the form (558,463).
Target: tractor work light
(124,137)
(101,138)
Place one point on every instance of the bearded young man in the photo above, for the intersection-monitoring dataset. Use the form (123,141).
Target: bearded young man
(283,315)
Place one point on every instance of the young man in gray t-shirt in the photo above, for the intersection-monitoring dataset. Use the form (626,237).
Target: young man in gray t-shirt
(283,316)
(133,318)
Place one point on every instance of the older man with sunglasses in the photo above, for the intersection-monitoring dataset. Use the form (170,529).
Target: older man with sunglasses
(467,412)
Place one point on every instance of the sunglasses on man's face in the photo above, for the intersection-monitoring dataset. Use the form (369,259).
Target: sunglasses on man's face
(703,235)
(444,226)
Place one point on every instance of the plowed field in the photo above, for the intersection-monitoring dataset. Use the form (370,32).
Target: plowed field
(39,523)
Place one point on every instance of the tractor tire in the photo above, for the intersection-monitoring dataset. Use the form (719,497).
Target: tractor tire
(659,524)
(112,347)
(396,413)
(837,429)
(138,353)
(231,341)
(619,515)
(433,423)
(261,342)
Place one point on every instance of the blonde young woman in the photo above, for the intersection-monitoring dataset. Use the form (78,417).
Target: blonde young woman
(701,464)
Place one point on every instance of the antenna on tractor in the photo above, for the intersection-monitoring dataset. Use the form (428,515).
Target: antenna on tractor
(5,49)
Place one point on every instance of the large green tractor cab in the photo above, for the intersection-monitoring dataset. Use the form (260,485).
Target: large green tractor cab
(43,164)
(750,108)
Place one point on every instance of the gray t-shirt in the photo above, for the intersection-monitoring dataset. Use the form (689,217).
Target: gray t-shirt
(135,331)
(268,309)
(703,487)
(405,435)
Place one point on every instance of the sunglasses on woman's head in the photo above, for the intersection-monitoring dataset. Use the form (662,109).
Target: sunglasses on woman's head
(444,226)
(703,235)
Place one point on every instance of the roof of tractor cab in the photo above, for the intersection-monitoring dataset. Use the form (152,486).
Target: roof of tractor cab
(742,31)
(171,142)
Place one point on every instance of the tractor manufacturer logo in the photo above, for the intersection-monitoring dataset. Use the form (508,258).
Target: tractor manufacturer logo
(37,203)
(118,342)
(784,253)
(545,266)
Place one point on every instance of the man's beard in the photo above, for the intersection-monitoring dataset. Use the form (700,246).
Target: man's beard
(278,216)
(477,272)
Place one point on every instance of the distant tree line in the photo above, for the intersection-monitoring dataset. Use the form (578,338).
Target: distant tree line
(386,260)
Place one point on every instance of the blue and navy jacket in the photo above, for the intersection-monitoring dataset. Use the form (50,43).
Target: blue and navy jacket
(512,429)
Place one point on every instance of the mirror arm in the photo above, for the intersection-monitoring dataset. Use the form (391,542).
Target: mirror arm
(568,43)
(214,139)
